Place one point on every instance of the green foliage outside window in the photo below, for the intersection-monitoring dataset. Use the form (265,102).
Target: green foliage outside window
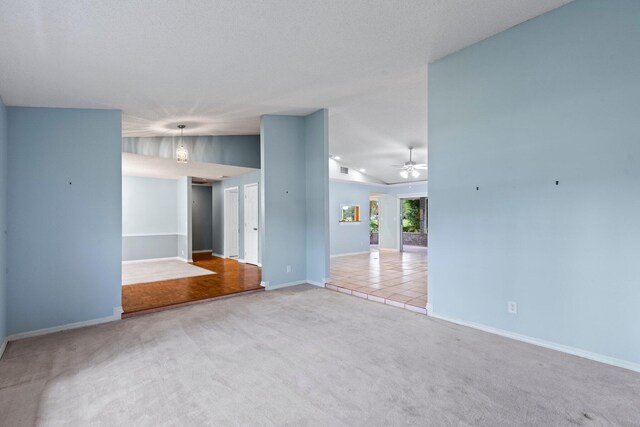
(373,216)
(411,216)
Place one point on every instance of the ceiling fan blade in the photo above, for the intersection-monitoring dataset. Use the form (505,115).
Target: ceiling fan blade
(423,166)
(398,166)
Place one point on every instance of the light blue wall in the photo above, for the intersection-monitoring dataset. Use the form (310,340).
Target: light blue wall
(349,238)
(555,98)
(185,242)
(3,221)
(201,217)
(149,247)
(317,195)
(64,201)
(285,141)
(284,196)
(218,209)
(237,150)
(149,218)
(354,238)
(149,206)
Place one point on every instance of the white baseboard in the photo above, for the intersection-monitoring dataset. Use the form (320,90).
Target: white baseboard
(542,343)
(117,312)
(259,264)
(318,284)
(270,287)
(350,253)
(218,255)
(3,347)
(136,261)
(202,252)
(241,261)
(264,284)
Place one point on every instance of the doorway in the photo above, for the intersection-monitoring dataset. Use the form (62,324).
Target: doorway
(413,224)
(251,219)
(231,228)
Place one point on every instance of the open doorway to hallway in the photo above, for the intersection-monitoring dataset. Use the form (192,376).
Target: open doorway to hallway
(181,238)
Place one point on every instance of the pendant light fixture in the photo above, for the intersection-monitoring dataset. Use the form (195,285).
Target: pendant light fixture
(182,155)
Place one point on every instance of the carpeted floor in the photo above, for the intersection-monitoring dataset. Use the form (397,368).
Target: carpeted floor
(156,271)
(303,356)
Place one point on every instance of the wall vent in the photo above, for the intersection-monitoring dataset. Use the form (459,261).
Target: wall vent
(344,170)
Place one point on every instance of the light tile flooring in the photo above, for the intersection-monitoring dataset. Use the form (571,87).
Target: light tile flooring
(394,278)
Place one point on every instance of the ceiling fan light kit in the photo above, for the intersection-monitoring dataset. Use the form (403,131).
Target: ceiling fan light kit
(410,168)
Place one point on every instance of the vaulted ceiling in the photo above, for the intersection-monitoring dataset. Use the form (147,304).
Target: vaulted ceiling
(217,65)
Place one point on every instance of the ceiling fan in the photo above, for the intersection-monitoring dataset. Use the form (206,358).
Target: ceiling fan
(410,168)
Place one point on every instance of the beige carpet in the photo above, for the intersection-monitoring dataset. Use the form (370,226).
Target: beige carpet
(155,271)
(303,357)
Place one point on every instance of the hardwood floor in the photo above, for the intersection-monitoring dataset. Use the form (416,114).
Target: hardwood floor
(231,278)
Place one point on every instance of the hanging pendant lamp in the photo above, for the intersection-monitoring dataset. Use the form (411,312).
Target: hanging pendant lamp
(182,155)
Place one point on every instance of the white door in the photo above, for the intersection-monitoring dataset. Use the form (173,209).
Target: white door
(231,229)
(389,228)
(251,223)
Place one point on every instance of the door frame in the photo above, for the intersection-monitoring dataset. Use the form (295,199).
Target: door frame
(402,197)
(225,223)
(244,211)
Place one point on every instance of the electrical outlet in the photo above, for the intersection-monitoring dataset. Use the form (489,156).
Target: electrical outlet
(288,269)
(512,307)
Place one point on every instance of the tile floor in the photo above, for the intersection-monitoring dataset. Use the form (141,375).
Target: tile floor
(394,278)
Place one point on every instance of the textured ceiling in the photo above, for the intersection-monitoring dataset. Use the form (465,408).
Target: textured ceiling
(217,65)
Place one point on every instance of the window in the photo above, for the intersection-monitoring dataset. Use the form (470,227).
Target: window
(349,213)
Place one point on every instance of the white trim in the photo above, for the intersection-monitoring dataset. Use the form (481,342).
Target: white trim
(383,185)
(218,255)
(259,264)
(136,261)
(117,312)
(542,343)
(3,347)
(264,284)
(224,220)
(201,252)
(406,184)
(244,215)
(270,287)
(429,308)
(413,195)
(241,261)
(152,234)
(350,253)
(350,222)
(318,284)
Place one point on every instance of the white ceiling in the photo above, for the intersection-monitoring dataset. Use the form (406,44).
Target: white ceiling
(217,65)
(157,167)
